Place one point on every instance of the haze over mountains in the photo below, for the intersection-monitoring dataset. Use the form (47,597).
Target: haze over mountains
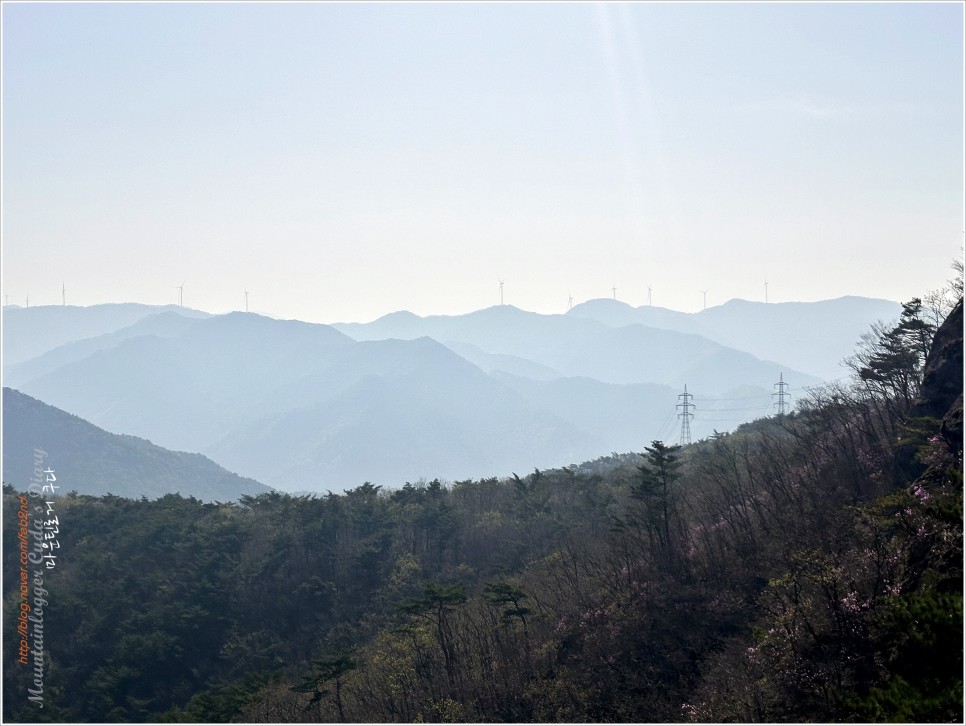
(92,461)
(576,346)
(809,337)
(304,406)
(29,332)
(812,337)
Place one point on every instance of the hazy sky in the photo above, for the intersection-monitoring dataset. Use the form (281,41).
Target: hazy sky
(341,161)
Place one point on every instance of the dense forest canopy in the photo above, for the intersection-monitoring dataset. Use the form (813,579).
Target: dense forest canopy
(807,567)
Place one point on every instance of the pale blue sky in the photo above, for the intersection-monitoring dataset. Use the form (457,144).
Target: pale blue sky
(342,161)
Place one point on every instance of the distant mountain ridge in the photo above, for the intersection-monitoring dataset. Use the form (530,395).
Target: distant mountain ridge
(310,406)
(578,346)
(299,404)
(92,461)
(811,337)
(164,324)
(442,418)
(30,332)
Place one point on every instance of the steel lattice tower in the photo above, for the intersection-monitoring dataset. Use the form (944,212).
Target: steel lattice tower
(781,403)
(685,416)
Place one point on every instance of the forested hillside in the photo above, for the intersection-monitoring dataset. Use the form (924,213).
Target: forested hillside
(92,457)
(803,568)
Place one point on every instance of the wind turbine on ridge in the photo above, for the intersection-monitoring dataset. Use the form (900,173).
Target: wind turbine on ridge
(180,288)
(705,293)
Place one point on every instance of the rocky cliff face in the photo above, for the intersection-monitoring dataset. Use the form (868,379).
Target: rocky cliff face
(941,395)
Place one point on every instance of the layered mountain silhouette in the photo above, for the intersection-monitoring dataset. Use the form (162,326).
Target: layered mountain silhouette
(89,460)
(304,406)
(165,324)
(581,346)
(30,332)
(811,337)
(391,411)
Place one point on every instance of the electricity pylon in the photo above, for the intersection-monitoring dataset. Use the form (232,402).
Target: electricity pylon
(781,403)
(685,416)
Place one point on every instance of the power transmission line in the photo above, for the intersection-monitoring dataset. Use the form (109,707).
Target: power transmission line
(763,407)
(666,426)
